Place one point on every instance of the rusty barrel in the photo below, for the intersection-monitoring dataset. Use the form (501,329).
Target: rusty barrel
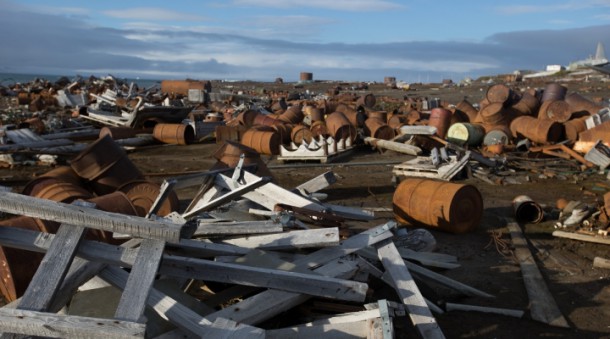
(502,94)
(573,128)
(264,142)
(246,118)
(498,135)
(339,127)
(496,114)
(556,110)
(355,117)
(451,207)
(441,119)
(318,129)
(35,124)
(527,210)
(174,134)
(143,193)
(366,100)
(228,155)
(117,133)
(381,115)
(378,129)
(284,130)
(598,132)
(396,120)
(266,120)
(463,133)
(553,91)
(537,130)
(58,174)
(314,113)
(466,107)
(301,133)
(527,105)
(115,202)
(580,104)
(63,192)
(105,165)
(292,115)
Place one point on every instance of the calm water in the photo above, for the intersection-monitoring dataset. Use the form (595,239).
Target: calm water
(11,78)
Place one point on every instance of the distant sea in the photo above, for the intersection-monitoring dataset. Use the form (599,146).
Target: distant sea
(11,78)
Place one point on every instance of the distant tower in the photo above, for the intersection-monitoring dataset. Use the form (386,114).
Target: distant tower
(600,53)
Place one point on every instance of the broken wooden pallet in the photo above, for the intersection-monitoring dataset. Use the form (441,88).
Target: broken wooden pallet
(321,150)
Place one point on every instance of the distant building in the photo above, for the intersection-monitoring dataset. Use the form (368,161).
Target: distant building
(554,68)
(598,60)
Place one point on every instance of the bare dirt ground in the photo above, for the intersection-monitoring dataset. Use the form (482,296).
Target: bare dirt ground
(581,291)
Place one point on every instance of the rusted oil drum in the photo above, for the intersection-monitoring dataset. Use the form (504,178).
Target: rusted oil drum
(381,115)
(596,133)
(463,133)
(466,107)
(292,115)
(354,117)
(266,120)
(527,105)
(441,119)
(527,210)
(35,124)
(502,94)
(553,91)
(279,106)
(580,104)
(376,128)
(314,113)
(224,133)
(63,192)
(174,134)
(229,153)
(17,267)
(413,116)
(450,207)
(499,135)
(143,193)
(495,114)
(105,165)
(246,118)
(367,100)
(396,120)
(318,129)
(340,127)
(58,174)
(537,130)
(301,133)
(574,127)
(264,142)
(115,202)
(556,110)
(284,130)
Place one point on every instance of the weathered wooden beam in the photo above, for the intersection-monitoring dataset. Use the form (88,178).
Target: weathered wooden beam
(355,329)
(53,268)
(600,262)
(543,306)
(142,276)
(483,309)
(322,237)
(19,204)
(582,237)
(420,314)
(320,182)
(236,227)
(62,326)
(310,284)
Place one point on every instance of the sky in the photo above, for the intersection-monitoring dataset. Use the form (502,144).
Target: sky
(346,40)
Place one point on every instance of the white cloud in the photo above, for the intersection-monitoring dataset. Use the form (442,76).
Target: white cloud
(341,5)
(152,13)
(566,6)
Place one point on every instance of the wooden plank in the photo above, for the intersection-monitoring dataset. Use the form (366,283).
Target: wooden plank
(576,156)
(270,303)
(53,268)
(483,309)
(142,276)
(356,329)
(310,284)
(62,326)
(542,304)
(19,204)
(350,245)
(582,237)
(318,183)
(236,227)
(420,314)
(178,314)
(600,262)
(223,199)
(322,237)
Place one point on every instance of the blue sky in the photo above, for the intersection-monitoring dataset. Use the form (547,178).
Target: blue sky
(352,40)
